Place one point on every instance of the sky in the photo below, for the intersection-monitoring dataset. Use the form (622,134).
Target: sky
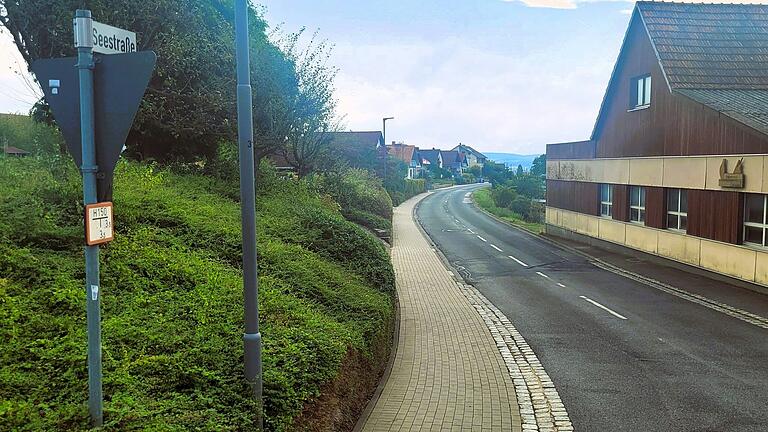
(501,76)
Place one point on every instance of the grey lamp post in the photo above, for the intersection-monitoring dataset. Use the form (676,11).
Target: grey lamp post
(384,137)
(252,335)
(384,132)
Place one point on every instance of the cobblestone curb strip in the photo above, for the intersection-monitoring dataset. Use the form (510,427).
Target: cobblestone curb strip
(540,406)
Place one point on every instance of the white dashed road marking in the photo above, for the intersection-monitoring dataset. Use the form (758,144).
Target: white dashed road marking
(542,275)
(518,261)
(560,285)
(617,315)
(482,239)
(496,247)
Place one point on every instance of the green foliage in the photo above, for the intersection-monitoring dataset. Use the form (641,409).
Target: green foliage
(496,173)
(356,189)
(522,206)
(172,300)
(528,185)
(22,132)
(189,104)
(539,167)
(503,196)
(484,200)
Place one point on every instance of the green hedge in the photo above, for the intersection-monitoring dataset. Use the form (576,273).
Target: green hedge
(172,300)
(360,194)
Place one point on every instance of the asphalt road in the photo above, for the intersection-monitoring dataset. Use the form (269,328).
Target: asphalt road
(624,356)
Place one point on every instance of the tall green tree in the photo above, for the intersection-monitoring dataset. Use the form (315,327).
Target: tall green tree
(539,167)
(189,106)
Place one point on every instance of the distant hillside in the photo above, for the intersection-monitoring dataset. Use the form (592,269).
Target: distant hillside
(512,160)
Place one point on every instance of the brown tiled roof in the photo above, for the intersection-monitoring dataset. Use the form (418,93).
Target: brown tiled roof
(403,152)
(709,46)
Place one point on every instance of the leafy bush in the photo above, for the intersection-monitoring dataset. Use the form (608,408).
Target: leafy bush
(522,206)
(503,196)
(356,189)
(369,220)
(172,300)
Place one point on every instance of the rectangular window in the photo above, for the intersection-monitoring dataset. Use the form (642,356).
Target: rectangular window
(756,219)
(677,209)
(640,92)
(606,200)
(637,204)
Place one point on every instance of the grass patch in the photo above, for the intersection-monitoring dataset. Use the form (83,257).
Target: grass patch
(172,300)
(483,200)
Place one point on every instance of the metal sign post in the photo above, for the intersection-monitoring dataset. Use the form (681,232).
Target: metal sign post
(85,65)
(252,336)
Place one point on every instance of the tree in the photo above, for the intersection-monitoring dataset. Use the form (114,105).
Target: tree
(539,167)
(529,186)
(520,171)
(313,108)
(190,105)
(496,173)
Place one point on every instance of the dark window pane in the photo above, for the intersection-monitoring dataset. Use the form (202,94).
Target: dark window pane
(634,214)
(673,196)
(755,208)
(684,223)
(642,197)
(684,201)
(642,216)
(753,235)
(672,221)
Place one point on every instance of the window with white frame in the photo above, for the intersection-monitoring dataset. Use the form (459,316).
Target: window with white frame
(640,92)
(756,219)
(637,204)
(677,209)
(606,200)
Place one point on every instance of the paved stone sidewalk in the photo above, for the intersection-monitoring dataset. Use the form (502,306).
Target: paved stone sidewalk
(448,373)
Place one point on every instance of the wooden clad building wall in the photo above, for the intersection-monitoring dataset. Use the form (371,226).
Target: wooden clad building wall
(655,207)
(621,203)
(673,125)
(571,150)
(716,215)
(579,197)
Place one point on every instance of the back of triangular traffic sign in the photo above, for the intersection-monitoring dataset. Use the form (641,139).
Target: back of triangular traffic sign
(119,84)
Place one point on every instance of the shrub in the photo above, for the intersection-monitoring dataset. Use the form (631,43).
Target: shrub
(172,300)
(356,189)
(503,196)
(522,206)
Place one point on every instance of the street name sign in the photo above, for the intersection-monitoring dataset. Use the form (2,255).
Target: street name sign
(103,38)
(112,40)
(99,224)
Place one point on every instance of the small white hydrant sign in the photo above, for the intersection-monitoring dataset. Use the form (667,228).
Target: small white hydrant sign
(98,223)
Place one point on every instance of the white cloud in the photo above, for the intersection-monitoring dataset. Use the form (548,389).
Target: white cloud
(450,92)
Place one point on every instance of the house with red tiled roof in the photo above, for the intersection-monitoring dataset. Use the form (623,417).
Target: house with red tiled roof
(408,154)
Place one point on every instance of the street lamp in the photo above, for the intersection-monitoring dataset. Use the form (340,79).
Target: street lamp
(384,137)
(384,132)
(252,336)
